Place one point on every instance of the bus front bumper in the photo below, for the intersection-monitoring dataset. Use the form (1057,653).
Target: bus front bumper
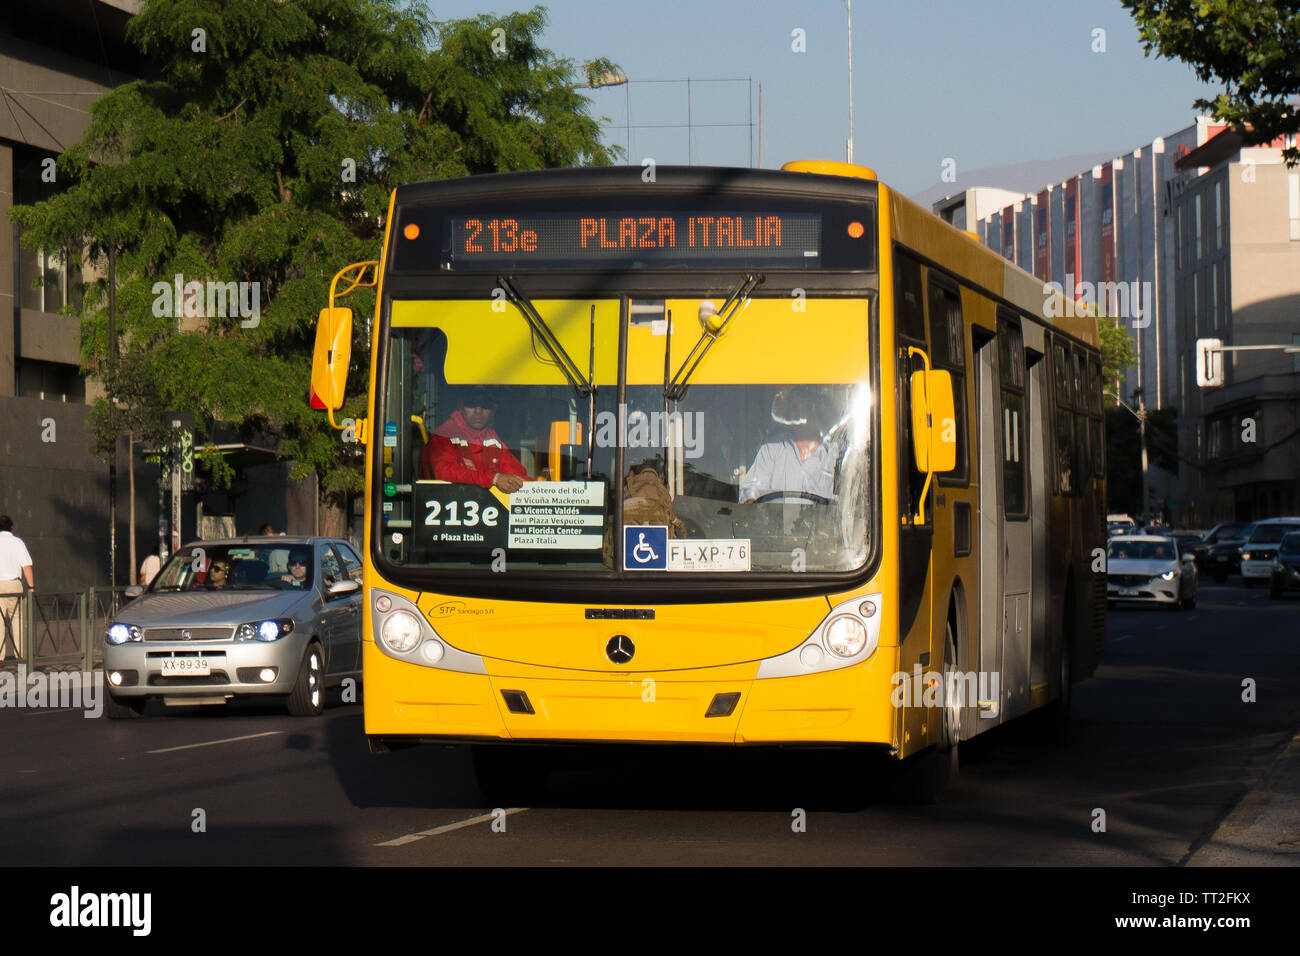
(406,703)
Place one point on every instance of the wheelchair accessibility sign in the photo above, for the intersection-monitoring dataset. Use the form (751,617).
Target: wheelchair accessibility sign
(645,547)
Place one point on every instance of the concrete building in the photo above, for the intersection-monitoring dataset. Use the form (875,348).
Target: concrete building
(56,58)
(1187,236)
(1236,212)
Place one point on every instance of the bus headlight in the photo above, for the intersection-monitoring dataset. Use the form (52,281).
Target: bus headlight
(846,636)
(401,631)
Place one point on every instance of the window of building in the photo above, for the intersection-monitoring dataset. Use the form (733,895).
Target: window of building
(1219,212)
(49,381)
(1293,203)
(1295,359)
(45,281)
(1196,204)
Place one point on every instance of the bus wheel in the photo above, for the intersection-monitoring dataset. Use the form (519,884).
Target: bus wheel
(1056,715)
(509,776)
(923,777)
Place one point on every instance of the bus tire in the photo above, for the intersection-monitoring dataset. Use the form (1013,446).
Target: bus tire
(123,708)
(923,778)
(509,776)
(1056,715)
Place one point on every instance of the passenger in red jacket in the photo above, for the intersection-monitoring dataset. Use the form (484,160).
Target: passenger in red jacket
(466,450)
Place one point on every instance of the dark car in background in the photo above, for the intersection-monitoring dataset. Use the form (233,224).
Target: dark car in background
(1224,531)
(1224,556)
(1258,550)
(1286,567)
(255,616)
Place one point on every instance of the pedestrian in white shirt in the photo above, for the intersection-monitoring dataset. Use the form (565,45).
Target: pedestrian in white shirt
(15,568)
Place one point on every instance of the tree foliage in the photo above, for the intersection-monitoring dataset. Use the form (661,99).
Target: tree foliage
(1250,46)
(1117,353)
(262,149)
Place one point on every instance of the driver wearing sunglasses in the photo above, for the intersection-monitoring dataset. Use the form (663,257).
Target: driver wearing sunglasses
(297,576)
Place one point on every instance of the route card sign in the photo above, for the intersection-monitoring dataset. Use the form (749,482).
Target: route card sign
(558,515)
(459,519)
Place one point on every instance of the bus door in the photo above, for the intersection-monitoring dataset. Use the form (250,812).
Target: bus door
(1006,566)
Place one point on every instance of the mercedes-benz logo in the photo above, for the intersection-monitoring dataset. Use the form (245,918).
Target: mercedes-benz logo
(186,634)
(620,649)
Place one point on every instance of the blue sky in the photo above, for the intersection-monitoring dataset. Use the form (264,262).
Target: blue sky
(987,84)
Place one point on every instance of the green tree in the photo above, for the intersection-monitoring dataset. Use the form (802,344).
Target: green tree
(263,152)
(1117,354)
(1252,47)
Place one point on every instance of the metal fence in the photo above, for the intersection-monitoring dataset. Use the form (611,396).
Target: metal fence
(59,628)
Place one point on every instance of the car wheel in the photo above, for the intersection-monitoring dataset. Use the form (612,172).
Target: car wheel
(1189,603)
(123,708)
(308,697)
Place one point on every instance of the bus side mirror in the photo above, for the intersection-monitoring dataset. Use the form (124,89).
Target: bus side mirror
(934,421)
(329,365)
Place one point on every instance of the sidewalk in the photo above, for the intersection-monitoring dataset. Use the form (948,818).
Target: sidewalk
(1263,829)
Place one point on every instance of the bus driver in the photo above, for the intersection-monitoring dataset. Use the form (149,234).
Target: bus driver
(799,462)
(465,449)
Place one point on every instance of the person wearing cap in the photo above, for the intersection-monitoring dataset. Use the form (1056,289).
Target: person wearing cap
(466,450)
(799,461)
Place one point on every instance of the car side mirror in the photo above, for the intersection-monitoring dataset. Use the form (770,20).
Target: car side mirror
(343,588)
(1188,557)
(134,591)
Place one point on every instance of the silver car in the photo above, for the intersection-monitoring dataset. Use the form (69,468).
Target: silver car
(1148,569)
(266,615)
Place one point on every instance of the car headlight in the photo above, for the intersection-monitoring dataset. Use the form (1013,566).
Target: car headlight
(264,630)
(400,631)
(121,633)
(846,636)
(1169,575)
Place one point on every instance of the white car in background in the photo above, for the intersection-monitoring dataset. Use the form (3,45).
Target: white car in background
(1147,569)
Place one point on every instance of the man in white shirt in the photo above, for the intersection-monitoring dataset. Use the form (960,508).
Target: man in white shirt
(15,567)
(149,569)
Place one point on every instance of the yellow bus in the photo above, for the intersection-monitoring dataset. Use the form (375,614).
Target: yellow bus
(729,456)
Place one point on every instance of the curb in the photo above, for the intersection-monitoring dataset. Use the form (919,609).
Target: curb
(1263,829)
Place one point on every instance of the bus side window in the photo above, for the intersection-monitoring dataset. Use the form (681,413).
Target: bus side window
(1015,421)
(948,351)
(1066,477)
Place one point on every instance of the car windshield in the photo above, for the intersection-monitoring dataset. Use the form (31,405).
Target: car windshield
(1290,544)
(491,459)
(237,567)
(1271,533)
(1130,550)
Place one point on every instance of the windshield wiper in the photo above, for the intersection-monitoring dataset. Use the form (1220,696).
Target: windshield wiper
(735,304)
(580,384)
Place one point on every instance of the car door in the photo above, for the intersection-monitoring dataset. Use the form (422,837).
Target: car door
(335,612)
(350,636)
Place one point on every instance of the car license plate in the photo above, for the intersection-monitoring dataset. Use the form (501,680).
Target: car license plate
(1128,592)
(186,667)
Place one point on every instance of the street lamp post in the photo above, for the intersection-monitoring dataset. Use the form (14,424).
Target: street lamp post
(849,5)
(615,79)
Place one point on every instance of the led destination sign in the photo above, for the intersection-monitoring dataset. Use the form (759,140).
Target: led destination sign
(776,238)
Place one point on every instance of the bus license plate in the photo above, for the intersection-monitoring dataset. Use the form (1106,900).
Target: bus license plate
(1128,592)
(186,667)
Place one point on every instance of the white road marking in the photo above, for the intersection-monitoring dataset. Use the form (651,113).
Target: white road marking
(51,710)
(213,743)
(1124,638)
(412,837)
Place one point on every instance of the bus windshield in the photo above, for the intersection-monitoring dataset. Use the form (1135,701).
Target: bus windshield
(491,456)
